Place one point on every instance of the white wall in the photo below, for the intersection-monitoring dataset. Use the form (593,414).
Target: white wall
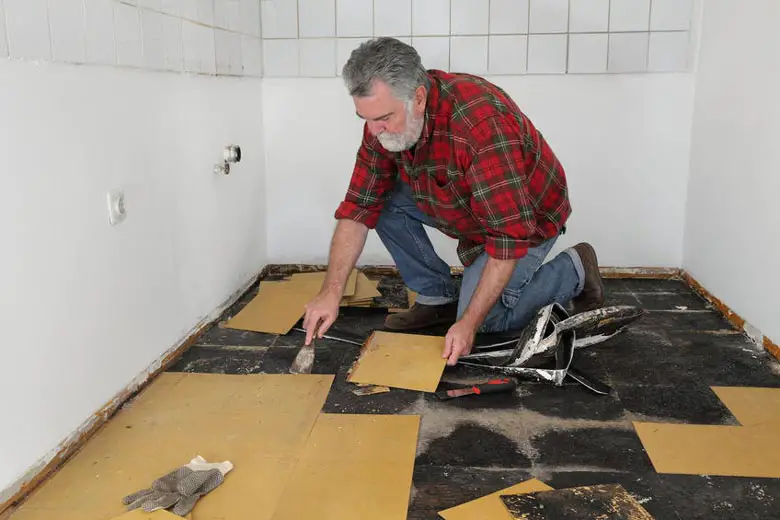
(609,84)
(732,240)
(87,307)
(137,95)
(624,140)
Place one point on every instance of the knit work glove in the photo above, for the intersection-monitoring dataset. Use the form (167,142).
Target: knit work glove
(181,488)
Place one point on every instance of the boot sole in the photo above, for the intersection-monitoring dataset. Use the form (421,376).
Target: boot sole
(592,260)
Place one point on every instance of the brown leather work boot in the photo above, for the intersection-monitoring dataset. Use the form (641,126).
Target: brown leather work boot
(592,295)
(420,316)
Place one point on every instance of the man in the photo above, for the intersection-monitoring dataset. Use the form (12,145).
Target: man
(453,152)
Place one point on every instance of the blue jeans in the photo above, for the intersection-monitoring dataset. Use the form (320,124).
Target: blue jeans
(533,285)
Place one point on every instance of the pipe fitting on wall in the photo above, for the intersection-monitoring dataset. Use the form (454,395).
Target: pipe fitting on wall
(231,154)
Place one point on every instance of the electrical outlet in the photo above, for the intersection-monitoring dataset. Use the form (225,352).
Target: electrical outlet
(117,212)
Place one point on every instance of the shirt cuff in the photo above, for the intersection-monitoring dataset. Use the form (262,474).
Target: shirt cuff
(506,248)
(351,211)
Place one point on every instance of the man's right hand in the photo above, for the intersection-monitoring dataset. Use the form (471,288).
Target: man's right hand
(321,312)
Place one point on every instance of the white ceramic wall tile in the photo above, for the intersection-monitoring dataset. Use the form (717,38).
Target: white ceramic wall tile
(174,7)
(27,26)
(549,16)
(628,52)
(252,55)
(469,54)
(509,16)
(279,18)
(588,53)
(100,32)
(127,35)
(221,9)
(318,57)
(470,17)
(156,5)
(235,54)
(669,52)
(68,33)
(434,51)
(250,17)
(153,38)
(589,16)
(206,11)
(317,18)
(547,53)
(507,54)
(190,47)
(629,15)
(222,48)
(174,53)
(208,54)
(227,14)
(281,58)
(186,9)
(234,15)
(671,15)
(354,18)
(344,48)
(392,17)
(430,17)
(3,35)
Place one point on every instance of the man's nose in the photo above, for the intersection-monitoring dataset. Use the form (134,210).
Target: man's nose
(377,127)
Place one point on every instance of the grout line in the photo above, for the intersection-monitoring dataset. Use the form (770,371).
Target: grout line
(4,21)
(113,35)
(528,43)
(298,20)
(48,26)
(568,39)
(487,52)
(609,38)
(449,37)
(671,31)
(298,38)
(84,22)
(649,24)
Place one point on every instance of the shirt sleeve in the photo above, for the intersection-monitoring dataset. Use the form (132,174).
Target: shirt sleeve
(496,176)
(372,179)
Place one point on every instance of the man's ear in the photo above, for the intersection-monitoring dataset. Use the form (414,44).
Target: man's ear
(420,97)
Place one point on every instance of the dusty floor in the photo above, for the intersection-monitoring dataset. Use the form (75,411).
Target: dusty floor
(660,370)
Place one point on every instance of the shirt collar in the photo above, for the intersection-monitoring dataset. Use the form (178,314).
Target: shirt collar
(431,106)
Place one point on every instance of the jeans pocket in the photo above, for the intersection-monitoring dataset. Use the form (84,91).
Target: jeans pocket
(510,297)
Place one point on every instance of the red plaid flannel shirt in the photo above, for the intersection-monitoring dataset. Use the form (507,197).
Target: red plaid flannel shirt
(481,170)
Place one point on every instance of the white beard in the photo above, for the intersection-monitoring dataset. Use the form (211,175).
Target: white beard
(406,139)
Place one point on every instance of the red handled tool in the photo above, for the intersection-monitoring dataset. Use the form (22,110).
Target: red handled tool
(493,386)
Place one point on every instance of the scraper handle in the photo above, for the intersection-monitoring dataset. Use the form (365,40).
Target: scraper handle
(495,386)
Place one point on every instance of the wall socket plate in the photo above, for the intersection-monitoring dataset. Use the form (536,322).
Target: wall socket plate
(117,211)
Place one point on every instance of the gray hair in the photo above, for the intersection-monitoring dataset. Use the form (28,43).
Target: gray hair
(388,60)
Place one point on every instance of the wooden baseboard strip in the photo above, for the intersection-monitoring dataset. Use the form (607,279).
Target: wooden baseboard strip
(659,273)
(735,319)
(652,273)
(772,348)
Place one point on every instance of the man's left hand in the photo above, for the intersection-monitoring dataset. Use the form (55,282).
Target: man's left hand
(458,342)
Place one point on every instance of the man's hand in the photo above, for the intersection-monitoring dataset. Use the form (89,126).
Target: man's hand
(459,340)
(346,245)
(321,312)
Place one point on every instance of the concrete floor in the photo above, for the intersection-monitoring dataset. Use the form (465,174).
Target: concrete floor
(659,370)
